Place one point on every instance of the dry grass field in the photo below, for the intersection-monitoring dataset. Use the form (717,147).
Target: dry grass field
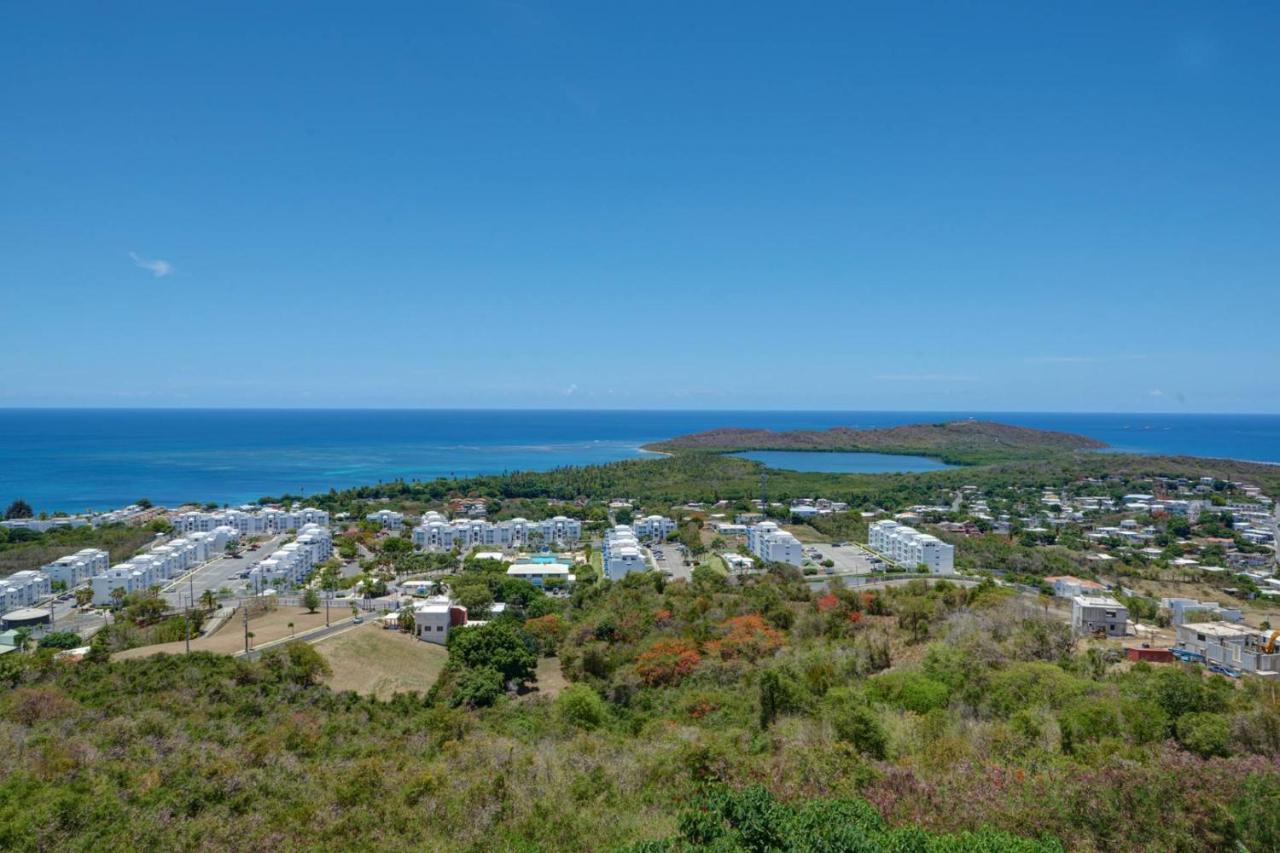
(229,639)
(377,662)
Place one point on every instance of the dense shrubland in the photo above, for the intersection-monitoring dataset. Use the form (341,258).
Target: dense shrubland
(700,715)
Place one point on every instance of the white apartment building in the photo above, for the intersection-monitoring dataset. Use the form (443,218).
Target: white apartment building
(388,518)
(774,545)
(910,548)
(290,564)
(249,521)
(653,527)
(23,589)
(75,569)
(161,563)
(622,554)
(437,533)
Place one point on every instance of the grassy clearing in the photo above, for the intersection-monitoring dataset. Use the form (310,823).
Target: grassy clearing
(374,661)
(229,639)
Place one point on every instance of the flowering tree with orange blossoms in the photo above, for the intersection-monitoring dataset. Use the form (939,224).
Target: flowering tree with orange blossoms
(747,637)
(667,661)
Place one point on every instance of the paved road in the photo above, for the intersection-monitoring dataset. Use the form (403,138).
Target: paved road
(217,574)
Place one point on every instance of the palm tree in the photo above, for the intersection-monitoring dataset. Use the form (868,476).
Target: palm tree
(290,629)
(208,599)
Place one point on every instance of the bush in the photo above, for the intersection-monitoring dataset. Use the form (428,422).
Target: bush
(856,724)
(581,706)
(477,688)
(1204,733)
(911,691)
(496,645)
(61,640)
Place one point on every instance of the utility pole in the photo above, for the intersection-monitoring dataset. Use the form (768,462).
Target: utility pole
(246,628)
(188,621)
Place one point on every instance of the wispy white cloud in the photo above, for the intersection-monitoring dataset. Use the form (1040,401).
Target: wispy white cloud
(924,377)
(157,267)
(1155,392)
(571,390)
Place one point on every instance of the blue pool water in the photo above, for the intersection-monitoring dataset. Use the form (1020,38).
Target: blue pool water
(76,459)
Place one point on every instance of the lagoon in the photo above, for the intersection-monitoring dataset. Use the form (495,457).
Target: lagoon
(843,463)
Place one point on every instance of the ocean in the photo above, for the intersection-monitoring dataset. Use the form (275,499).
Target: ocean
(77,459)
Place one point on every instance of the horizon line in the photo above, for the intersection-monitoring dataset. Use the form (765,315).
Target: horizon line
(970,412)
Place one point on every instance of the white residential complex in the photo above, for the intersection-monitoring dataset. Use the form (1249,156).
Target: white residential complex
(622,553)
(290,564)
(248,521)
(437,533)
(653,527)
(74,569)
(774,545)
(161,563)
(910,548)
(23,589)
(388,518)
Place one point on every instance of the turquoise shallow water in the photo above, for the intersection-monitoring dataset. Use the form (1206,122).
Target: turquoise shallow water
(75,459)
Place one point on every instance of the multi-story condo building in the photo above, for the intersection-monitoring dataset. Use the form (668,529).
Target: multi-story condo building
(290,564)
(161,563)
(24,588)
(388,518)
(74,569)
(910,548)
(437,533)
(774,545)
(249,522)
(653,527)
(622,554)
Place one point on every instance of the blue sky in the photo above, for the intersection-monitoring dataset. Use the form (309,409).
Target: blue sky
(688,205)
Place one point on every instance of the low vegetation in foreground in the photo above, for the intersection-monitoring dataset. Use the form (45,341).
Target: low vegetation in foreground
(697,715)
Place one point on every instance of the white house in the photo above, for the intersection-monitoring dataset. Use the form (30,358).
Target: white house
(774,545)
(433,619)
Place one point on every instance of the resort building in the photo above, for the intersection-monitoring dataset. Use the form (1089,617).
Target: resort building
(774,545)
(622,554)
(23,589)
(539,574)
(387,518)
(249,521)
(437,533)
(75,569)
(653,527)
(161,563)
(291,564)
(909,548)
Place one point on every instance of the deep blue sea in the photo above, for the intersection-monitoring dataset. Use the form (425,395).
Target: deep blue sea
(77,459)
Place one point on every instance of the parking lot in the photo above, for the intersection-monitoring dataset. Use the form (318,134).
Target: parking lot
(849,559)
(669,558)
